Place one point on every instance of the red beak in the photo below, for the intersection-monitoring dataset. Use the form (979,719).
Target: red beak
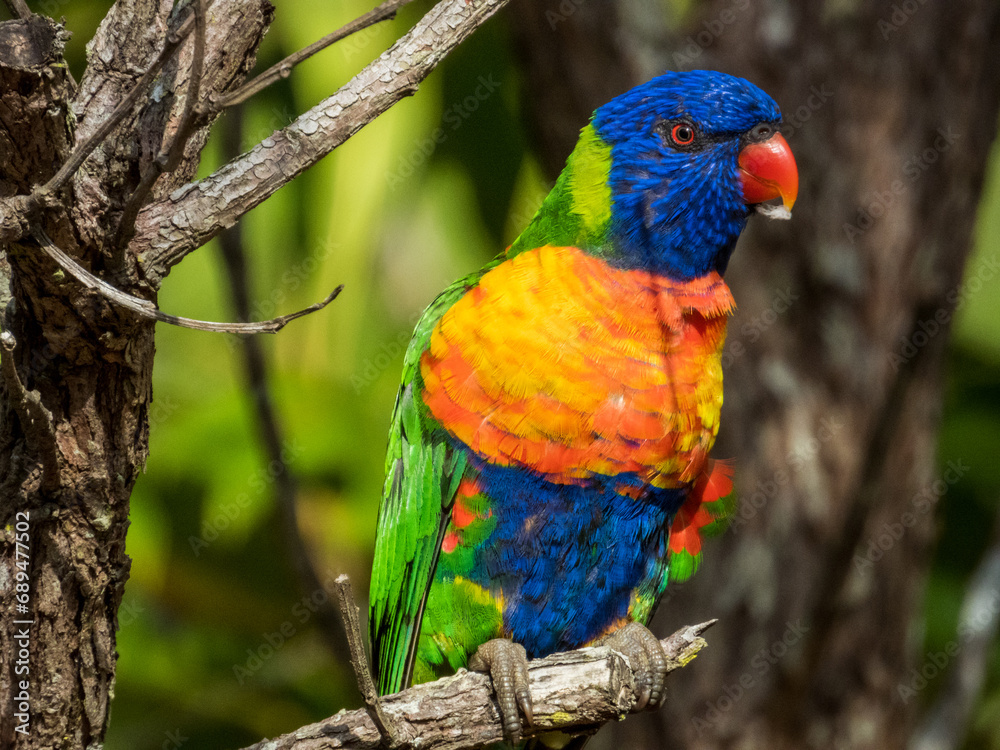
(768,171)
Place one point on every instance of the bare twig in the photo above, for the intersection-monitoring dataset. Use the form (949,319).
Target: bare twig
(284,67)
(576,691)
(169,229)
(18,8)
(362,670)
(146,309)
(170,155)
(947,721)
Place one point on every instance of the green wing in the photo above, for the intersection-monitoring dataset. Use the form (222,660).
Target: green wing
(422,474)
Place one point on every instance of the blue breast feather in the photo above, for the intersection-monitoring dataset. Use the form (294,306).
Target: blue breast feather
(567,557)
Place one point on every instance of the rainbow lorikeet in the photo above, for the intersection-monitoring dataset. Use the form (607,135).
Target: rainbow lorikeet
(548,468)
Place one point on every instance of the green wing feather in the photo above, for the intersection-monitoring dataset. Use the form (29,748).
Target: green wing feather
(422,477)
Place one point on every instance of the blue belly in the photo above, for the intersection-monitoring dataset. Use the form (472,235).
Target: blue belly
(568,557)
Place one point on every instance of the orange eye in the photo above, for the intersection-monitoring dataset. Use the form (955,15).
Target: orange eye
(682,134)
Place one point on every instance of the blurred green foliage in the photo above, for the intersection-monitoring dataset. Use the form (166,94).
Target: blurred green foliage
(218,646)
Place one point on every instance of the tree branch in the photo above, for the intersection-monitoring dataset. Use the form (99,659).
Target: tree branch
(575,691)
(146,309)
(283,68)
(193,214)
(359,661)
(16,212)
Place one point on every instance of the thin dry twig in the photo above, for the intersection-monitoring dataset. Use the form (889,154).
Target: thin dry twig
(577,691)
(362,670)
(146,309)
(283,68)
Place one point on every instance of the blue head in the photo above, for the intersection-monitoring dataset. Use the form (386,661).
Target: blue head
(690,155)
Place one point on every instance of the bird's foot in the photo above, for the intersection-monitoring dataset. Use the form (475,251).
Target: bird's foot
(507,664)
(646,656)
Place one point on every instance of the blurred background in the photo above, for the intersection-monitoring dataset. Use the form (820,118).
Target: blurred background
(864,432)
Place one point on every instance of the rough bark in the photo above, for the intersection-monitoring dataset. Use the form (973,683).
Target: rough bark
(576,692)
(833,386)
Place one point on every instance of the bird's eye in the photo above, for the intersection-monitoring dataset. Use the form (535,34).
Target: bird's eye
(762,132)
(682,134)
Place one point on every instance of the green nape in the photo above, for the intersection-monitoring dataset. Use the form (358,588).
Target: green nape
(460,616)
(578,209)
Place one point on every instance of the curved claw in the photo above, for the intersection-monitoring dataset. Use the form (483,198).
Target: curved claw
(646,656)
(507,664)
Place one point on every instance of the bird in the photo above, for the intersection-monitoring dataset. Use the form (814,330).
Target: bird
(548,468)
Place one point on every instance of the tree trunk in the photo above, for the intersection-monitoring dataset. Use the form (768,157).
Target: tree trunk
(77,370)
(834,360)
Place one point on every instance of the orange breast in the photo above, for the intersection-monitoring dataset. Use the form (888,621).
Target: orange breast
(565,365)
